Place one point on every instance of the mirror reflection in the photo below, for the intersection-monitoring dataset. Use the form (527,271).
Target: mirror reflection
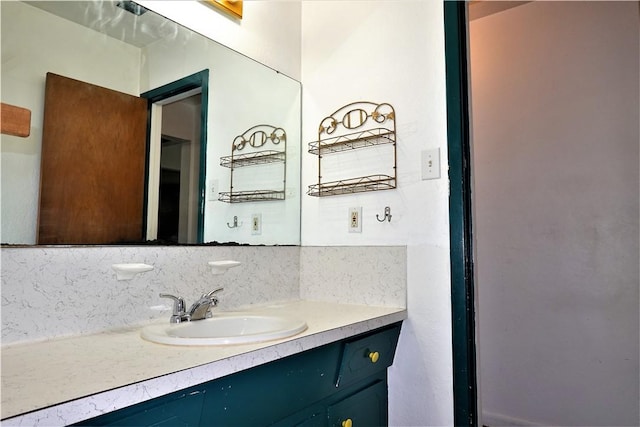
(199,96)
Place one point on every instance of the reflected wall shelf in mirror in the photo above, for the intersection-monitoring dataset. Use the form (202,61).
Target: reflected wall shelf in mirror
(263,145)
(353,127)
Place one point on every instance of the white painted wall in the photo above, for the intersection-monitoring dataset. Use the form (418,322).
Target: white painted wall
(269,31)
(555,128)
(386,51)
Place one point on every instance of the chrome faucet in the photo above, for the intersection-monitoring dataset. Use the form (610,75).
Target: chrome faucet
(201,309)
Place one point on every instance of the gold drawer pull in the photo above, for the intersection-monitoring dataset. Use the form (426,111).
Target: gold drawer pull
(374,356)
(347,423)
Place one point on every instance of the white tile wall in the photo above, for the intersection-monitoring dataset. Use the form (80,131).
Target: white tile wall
(367,275)
(50,292)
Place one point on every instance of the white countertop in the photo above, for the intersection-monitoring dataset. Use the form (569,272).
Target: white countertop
(67,380)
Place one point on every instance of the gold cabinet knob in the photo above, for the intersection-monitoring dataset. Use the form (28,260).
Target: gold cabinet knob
(374,356)
(347,423)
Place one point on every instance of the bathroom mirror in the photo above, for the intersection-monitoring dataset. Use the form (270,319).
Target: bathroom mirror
(102,44)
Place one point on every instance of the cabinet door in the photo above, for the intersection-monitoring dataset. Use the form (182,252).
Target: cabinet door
(269,393)
(365,408)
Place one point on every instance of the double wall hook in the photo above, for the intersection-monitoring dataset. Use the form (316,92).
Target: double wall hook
(387,215)
(235,222)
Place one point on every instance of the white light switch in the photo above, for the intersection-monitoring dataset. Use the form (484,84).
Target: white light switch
(212,190)
(430,164)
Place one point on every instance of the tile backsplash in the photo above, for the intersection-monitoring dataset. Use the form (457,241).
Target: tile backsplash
(367,275)
(50,292)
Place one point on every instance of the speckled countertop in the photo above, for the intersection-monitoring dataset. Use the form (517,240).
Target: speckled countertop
(62,381)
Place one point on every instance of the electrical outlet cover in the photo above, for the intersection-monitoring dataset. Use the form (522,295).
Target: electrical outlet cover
(355,220)
(256,224)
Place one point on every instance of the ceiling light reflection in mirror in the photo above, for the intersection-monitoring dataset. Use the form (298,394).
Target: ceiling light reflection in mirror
(140,54)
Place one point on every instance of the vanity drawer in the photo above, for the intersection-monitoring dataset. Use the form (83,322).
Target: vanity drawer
(368,354)
(366,407)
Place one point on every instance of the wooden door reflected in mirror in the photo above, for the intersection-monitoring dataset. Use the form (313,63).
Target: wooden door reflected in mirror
(93,164)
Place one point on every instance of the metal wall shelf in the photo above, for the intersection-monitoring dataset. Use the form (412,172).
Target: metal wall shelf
(250,159)
(253,140)
(251,196)
(353,141)
(353,185)
(356,126)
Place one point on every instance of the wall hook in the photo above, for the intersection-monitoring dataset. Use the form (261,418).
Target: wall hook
(387,215)
(235,222)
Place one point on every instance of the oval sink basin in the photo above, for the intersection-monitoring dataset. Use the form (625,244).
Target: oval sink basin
(223,329)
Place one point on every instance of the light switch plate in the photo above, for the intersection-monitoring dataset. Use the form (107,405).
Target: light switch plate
(212,190)
(430,164)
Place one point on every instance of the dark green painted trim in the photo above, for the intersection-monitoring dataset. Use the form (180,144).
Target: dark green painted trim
(462,298)
(177,87)
(197,80)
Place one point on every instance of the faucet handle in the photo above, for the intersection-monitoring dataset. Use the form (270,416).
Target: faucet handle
(178,304)
(210,293)
(211,297)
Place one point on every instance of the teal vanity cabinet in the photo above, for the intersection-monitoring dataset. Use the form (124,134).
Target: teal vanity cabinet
(342,384)
(363,404)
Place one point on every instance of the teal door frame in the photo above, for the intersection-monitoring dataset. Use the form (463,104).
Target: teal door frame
(185,84)
(460,209)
